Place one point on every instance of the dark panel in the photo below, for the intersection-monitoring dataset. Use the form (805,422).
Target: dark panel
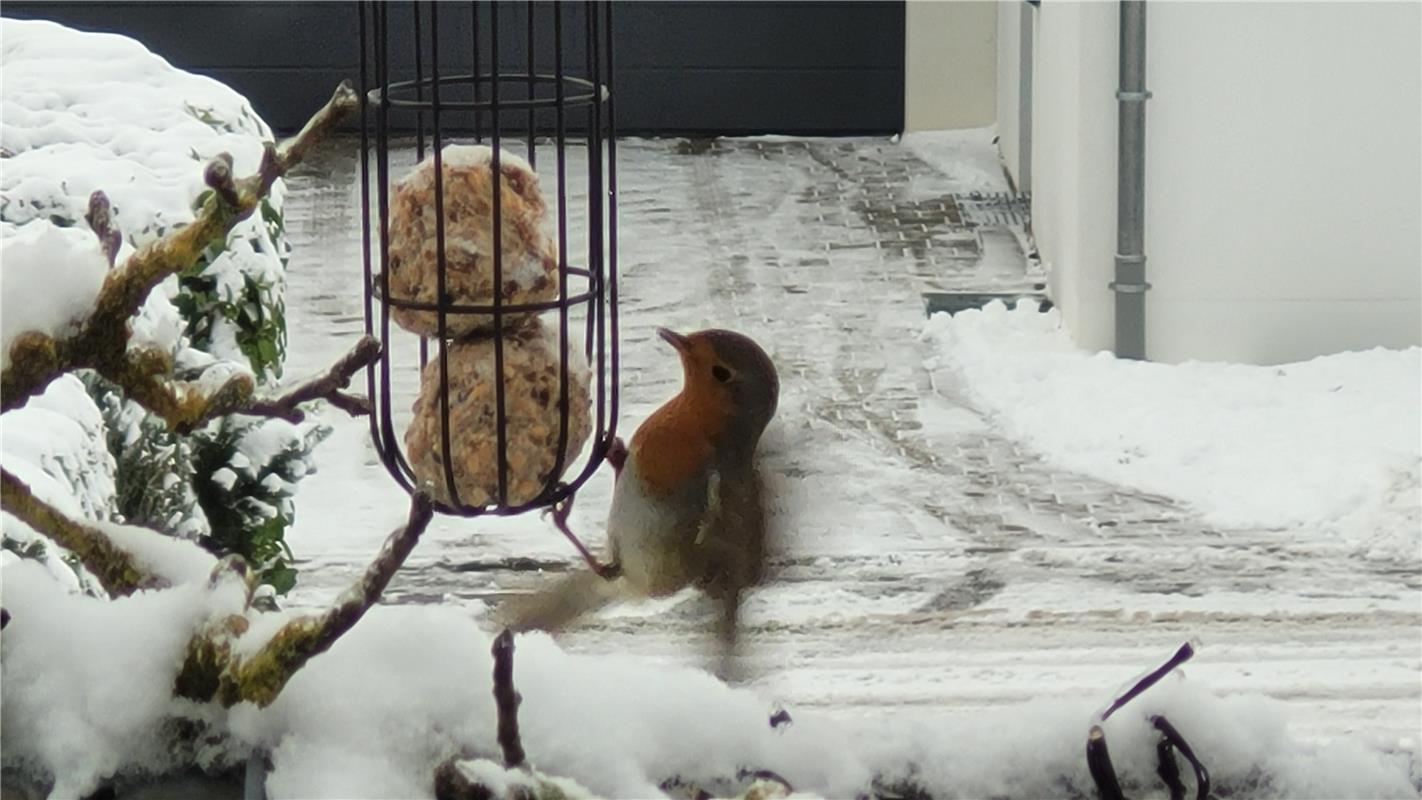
(807,35)
(682,67)
(215,35)
(695,101)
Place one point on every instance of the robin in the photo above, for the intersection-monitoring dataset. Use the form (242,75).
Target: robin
(688,504)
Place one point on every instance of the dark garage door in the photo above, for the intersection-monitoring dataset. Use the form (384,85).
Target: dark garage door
(823,68)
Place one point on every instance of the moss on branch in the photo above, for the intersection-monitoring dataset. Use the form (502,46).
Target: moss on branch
(212,671)
(113,567)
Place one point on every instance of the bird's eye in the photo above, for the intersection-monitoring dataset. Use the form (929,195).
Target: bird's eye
(720,373)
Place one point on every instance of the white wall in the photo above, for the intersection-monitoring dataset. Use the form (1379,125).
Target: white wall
(950,64)
(1009,80)
(1283,175)
(1074,161)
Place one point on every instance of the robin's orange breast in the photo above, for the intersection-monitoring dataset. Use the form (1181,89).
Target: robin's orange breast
(674,444)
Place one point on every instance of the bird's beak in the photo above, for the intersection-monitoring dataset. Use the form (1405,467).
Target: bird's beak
(681,343)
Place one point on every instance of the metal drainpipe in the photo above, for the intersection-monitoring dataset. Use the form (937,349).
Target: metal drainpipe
(1130,284)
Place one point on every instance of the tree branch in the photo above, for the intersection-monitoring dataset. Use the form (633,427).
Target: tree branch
(101,343)
(506,700)
(343,102)
(211,670)
(114,568)
(322,387)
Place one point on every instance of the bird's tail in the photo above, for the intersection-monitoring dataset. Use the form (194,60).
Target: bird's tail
(550,608)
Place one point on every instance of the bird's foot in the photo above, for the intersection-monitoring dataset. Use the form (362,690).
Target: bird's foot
(559,512)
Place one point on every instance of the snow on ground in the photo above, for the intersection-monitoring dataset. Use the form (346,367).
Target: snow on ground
(1330,448)
(949,609)
(963,161)
(410,686)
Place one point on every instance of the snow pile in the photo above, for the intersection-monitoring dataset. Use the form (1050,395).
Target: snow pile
(88,111)
(65,263)
(84,112)
(88,682)
(55,444)
(1037,749)
(967,158)
(1330,446)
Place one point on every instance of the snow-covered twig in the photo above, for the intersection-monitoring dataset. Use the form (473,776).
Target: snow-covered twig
(114,568)
(506,700)
(212,671)
(185,407)
(101,342)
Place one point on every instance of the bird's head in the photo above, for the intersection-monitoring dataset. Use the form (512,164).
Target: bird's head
(730,373)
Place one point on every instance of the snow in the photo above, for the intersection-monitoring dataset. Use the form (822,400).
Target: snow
(501,780)
(988,695)
(90,111)
(410,686)
(66,269)
(465,156)
(90,681)
(55,444)
(965,159)
(176,560)
(1330,448)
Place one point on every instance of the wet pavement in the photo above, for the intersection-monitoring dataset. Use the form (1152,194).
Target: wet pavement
(926,559)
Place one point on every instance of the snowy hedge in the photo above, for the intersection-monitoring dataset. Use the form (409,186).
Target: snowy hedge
(86,112)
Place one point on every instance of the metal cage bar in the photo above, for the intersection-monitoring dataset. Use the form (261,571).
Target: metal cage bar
(494,105)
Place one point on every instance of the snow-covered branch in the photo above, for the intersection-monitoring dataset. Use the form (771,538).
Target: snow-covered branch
(101,342)
(115,569)
(213,671)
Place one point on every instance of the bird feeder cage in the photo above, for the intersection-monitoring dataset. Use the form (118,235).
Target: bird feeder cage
(488,205)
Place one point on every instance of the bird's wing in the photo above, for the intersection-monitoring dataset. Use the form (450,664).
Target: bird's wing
(553,607)
(732,550)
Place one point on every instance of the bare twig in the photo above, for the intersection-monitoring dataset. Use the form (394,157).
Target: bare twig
(101,220)
(186,408)
(343,102)
(218,176)
(101,342)
(1168,770)
(361,596)
(780,717)
(113,567)
(1182,655)
(1098,760)
(327,387)
(506,700)
(1170,737)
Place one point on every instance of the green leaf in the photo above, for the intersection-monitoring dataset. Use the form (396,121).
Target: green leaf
(281,576)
